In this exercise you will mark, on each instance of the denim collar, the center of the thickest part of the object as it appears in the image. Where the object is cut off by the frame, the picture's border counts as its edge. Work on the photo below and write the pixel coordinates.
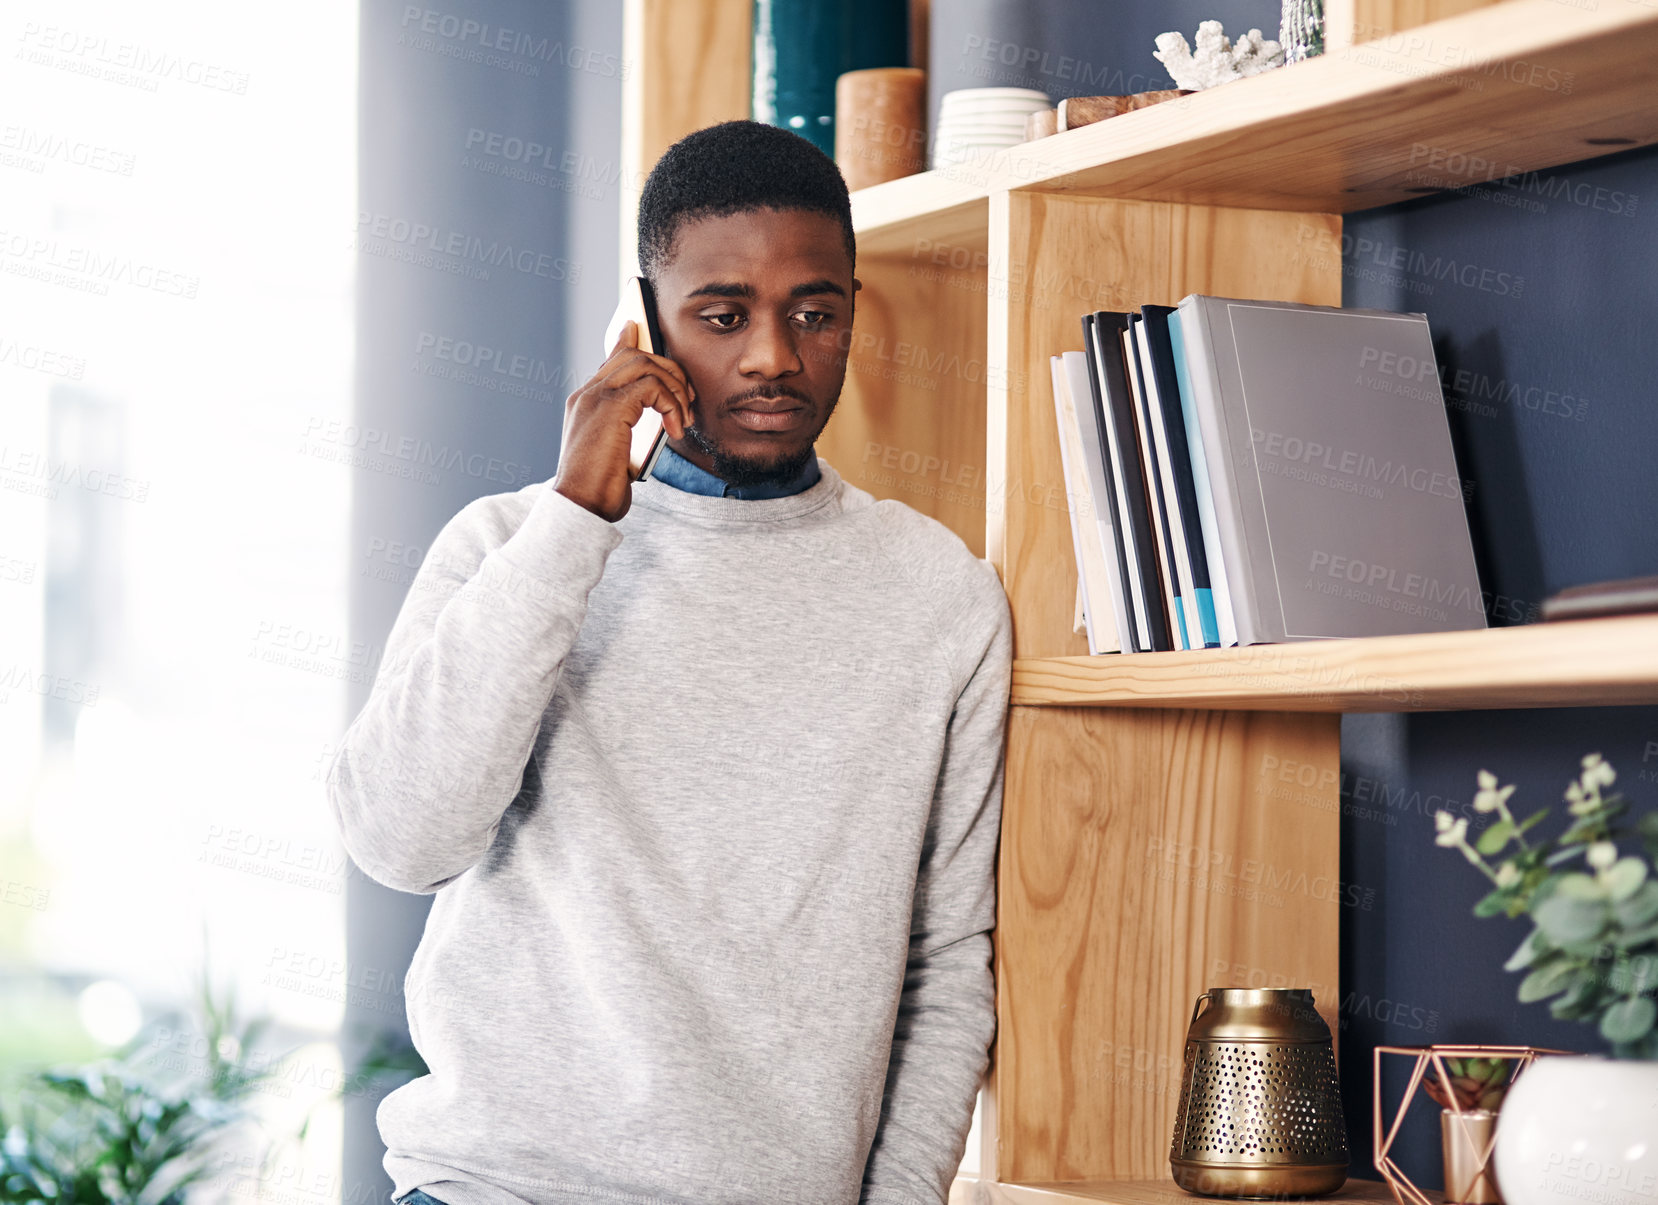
(680, 473)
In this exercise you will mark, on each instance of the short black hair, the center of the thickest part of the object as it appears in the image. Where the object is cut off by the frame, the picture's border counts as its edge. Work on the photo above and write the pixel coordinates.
(730, 168)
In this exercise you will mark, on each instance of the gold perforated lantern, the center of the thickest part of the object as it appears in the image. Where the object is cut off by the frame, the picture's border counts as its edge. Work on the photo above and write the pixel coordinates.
(1260, 1108)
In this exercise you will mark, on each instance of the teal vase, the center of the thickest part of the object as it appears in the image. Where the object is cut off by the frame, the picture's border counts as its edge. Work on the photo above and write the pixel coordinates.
(801, 47)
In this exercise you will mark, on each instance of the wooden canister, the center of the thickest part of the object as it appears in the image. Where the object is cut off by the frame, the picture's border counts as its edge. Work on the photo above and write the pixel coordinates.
(880, 124)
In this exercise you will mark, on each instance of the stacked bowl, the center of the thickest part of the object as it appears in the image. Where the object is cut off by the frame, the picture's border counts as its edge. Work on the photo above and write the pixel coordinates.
(976, 121)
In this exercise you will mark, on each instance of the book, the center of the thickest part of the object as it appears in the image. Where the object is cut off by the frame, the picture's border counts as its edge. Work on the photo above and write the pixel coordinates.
(1102, 333)
(1173, 581)
(1337, 500)
(1102, 496)
(1093, 589)
(1627, 596)
(1227, 627)
(1072, 497)
(1180, 492)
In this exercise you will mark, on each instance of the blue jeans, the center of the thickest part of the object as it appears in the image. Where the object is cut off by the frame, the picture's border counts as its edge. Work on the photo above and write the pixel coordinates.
(416, 1197)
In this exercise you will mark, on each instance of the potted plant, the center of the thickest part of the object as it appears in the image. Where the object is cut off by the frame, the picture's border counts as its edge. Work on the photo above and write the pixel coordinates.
(1468, 1116)
(1570, 1123)
(115, 1132)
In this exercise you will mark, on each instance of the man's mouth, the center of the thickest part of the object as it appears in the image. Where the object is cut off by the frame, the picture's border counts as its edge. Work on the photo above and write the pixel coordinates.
(777, 414)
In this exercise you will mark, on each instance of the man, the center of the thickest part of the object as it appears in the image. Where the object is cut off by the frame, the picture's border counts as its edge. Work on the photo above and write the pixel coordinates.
(705, 771)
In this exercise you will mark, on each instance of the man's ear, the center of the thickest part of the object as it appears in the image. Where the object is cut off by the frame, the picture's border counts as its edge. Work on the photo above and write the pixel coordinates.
(856, 284)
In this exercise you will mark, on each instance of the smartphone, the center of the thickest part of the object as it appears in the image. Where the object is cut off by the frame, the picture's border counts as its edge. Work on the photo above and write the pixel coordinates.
(638, 305)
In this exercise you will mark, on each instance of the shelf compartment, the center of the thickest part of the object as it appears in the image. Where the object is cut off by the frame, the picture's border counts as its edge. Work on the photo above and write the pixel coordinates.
(1581, 663)
(1518, 86)
(970, 1190)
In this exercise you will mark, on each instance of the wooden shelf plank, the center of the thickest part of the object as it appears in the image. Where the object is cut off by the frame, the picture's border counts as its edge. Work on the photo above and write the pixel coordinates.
(970, 1190)
(1509, 88)
(1581, 663)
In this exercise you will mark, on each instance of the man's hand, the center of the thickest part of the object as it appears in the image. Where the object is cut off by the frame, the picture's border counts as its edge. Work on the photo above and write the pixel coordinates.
(599, 419)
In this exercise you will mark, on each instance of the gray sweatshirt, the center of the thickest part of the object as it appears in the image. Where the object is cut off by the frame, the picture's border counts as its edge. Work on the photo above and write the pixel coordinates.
(709, 799)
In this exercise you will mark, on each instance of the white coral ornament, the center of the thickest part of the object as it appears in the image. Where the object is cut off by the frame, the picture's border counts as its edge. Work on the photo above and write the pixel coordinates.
(1216, 60)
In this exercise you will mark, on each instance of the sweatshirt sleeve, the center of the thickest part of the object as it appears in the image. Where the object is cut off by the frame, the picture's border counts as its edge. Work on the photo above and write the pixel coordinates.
(947, 1011)
(425, 772)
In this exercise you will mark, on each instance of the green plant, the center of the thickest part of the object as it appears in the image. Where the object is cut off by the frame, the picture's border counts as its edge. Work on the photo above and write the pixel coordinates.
(1594, 941)
(108, 1131)
(1475, 1083)
(113, 1132)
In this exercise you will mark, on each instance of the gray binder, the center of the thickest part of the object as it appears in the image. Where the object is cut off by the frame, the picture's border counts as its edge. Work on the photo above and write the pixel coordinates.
(1335, 488)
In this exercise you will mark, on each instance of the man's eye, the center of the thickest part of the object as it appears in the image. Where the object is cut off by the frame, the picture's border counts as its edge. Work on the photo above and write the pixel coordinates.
(719, 323)
(814, 317)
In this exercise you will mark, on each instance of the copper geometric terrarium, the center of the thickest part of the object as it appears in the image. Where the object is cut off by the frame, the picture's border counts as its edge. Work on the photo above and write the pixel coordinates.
(1431, 1060)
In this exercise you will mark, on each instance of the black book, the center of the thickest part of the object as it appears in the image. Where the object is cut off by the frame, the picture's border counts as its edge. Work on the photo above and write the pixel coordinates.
(1173, 429)
(1137, 631)
(1157, 488)
(1102, 338)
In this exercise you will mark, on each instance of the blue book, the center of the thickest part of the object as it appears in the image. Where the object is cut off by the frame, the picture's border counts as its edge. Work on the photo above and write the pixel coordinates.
(1225, 622)
(1184, 524)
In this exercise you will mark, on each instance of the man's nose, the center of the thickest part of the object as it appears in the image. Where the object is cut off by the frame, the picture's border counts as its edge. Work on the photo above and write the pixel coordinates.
(771, 350)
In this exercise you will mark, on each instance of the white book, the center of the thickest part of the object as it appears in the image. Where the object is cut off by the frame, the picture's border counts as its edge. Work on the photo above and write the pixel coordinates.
(1135, 372)
(1102, 498)
(1078, 502)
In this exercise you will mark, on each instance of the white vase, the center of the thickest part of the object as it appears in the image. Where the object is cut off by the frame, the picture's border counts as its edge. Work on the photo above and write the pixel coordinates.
(1580, 1131)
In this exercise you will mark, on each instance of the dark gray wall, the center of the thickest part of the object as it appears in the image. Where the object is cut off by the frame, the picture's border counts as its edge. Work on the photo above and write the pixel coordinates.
(1068, 47)
(516, 252)
(1540, 293)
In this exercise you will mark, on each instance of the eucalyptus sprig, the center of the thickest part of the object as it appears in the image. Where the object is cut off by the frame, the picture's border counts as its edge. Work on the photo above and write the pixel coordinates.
(1594, 944)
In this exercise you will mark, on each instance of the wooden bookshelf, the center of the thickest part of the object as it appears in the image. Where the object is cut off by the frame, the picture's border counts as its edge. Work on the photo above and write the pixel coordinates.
(1123, 769)
(1583, 663)
(1527, 84)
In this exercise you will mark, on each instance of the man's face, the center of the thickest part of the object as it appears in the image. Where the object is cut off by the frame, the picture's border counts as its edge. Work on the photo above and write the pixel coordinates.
(757, 308)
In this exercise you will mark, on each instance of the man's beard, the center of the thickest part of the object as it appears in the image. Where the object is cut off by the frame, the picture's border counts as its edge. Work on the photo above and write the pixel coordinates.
(739, 470)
